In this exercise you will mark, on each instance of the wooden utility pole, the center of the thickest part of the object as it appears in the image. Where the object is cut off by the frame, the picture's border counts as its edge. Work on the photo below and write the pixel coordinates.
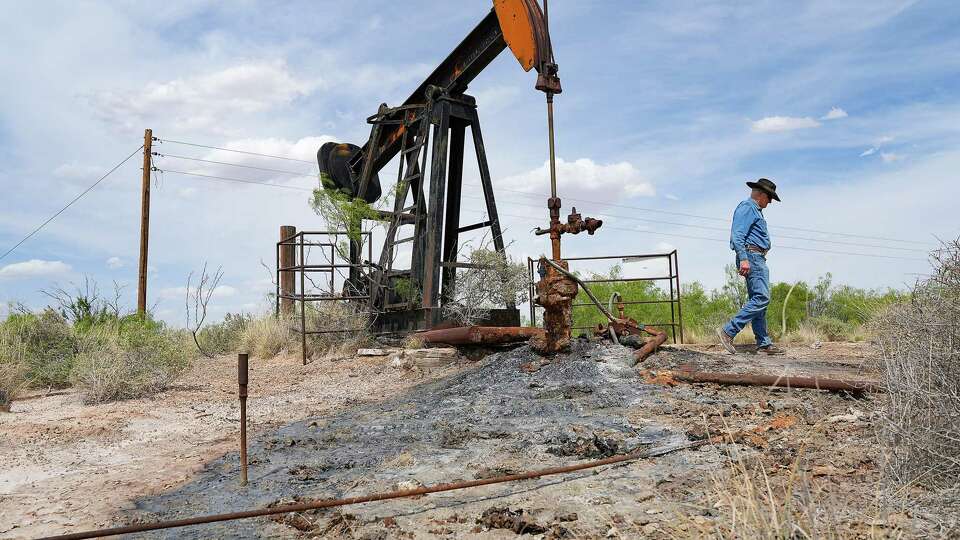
(288, 258)
(144, 222)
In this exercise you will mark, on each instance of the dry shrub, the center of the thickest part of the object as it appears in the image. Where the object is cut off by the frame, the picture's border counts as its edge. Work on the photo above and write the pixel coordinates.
(337, 315)
(129, 360)
(44, 343)
(919, 342)
(12, 381)
(754, 505)
(492, 281)
(805, 332)
(268, 336)
(750, 502)
(13, 371)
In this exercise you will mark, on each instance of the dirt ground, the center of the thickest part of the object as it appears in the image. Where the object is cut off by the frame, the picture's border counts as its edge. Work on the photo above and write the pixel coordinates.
(360, 425)
(68, 467)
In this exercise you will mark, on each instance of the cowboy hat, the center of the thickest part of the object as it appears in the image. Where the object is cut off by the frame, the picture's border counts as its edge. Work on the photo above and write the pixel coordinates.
(765, 186)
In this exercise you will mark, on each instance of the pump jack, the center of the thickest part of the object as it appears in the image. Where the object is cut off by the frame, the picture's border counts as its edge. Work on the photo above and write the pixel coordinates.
(440, 109)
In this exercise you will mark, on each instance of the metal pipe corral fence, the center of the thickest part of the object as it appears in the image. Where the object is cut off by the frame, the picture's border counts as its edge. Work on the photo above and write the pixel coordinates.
(672, 277)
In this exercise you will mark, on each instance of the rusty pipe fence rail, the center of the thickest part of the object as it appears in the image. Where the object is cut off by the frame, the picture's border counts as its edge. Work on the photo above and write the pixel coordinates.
(293, 257)
(672, 278)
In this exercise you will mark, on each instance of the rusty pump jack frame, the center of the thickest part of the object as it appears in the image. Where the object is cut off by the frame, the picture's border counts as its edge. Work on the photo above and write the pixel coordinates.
(427, 132)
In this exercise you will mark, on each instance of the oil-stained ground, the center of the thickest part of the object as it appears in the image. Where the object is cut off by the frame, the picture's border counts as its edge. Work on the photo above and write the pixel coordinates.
(514, 411)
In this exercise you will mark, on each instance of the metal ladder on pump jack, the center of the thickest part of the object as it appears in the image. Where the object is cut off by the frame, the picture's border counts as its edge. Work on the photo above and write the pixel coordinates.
(409, 175)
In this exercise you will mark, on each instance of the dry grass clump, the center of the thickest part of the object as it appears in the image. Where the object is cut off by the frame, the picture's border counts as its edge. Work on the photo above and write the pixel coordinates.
(754, 505)
(707, 335)
(919, 342)
(337, 315)
(268, 336)
(747, 500)
(12, 381)
(129, 360)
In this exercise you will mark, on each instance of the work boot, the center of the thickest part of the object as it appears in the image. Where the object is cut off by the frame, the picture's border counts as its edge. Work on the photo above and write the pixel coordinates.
(726, 341)
(771, 349)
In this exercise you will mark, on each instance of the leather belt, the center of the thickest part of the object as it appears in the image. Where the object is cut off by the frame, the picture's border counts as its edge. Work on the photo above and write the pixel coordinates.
(756, 249)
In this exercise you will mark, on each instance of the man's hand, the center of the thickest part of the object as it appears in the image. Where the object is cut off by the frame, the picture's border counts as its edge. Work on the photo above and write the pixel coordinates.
(744, 267)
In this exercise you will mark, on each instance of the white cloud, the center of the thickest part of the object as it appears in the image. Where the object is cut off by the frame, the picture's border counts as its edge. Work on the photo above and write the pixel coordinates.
(585, 176)
(672, 197)
(869, 152)
(199, 101)
(890, 157)
(224, 291)
(304, 148)
(773, 124)
(75, 170)
(171, 293)
(834, 114)
(33, 268)
(114, 262)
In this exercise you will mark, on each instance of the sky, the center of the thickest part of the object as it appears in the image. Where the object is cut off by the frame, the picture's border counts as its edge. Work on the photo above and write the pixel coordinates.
(852, 108)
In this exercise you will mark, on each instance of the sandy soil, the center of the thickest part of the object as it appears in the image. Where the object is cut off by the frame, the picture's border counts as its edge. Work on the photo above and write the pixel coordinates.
(69, 467)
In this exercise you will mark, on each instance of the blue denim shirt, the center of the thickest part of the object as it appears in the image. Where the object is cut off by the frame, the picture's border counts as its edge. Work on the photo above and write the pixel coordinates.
(748, 227)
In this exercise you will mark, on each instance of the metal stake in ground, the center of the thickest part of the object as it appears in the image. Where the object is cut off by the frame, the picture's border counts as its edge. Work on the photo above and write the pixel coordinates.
(242, 378)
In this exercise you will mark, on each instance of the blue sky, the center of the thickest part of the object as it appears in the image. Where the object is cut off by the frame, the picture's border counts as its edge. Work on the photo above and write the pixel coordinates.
(852, 108)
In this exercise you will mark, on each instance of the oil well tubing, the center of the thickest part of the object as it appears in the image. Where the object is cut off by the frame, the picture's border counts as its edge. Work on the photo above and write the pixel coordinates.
(425, 490)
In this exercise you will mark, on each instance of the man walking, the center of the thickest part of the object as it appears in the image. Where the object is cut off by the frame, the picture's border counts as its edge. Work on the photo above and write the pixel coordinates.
(751, 242)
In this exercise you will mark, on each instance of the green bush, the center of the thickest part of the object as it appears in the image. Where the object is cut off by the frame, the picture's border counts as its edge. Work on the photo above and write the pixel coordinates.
(226, 336)
(833, 328)
(128, 359)
(46, 345)
(833, 312)
(88, 344)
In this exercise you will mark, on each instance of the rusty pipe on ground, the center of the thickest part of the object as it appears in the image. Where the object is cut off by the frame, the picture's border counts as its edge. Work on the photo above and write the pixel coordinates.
(753, 379)
(425, 490)
(659, 337)
(479, 335)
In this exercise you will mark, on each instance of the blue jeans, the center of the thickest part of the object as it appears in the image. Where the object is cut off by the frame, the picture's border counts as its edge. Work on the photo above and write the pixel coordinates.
(755, 310)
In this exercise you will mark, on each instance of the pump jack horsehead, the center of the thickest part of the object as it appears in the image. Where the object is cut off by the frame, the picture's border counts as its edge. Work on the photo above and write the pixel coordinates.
(429, 128)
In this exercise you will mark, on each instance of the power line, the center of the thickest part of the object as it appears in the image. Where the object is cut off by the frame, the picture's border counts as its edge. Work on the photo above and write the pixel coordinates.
(680, 235)
(711, 218)
(69, 204)
(707, 227)
(535, 195)
(292, 173)
(228, 179)
(232, 150)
